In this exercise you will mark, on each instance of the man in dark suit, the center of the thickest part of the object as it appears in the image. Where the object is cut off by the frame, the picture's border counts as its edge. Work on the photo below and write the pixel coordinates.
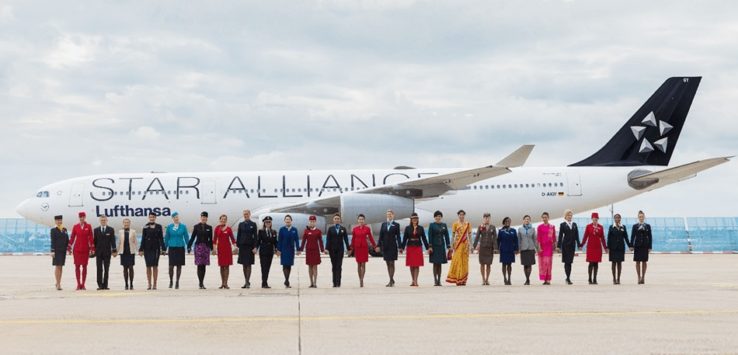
(336, 238)
(389, 244)
(104, 240)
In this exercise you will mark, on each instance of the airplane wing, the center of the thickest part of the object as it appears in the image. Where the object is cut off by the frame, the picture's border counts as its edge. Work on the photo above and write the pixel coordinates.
(420, 188)
(676, 174)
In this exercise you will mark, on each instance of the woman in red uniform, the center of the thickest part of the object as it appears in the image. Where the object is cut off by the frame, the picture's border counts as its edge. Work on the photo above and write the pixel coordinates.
(594, 239)
(81, 245)
(411, 242)
(223, 243)
(359, 246)
(312, 244)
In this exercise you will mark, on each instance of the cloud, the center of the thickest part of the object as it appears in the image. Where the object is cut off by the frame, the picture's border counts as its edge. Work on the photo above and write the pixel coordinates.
(146, 133)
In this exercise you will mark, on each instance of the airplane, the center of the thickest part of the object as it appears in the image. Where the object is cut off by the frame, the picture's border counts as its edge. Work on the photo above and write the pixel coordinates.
(634, 161)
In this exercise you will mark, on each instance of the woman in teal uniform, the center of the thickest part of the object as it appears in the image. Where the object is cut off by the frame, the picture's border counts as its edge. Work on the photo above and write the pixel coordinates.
(438, 246)
(175, 241)
(288, 241)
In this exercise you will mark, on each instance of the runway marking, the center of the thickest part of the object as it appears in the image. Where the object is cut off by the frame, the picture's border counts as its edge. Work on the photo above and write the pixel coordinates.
(416, 317)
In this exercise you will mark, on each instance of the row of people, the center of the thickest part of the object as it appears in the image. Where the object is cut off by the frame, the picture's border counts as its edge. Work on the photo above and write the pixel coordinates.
(250, 240)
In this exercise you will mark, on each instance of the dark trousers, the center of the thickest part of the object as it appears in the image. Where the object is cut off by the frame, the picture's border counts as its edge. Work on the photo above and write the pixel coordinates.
(103, 266)
(336, 263)
(266, 263)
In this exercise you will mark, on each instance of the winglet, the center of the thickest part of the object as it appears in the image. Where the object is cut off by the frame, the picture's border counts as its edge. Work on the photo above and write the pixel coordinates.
(516, 158)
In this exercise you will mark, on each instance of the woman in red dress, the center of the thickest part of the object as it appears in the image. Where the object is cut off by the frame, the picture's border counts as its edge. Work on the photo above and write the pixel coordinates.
(359, 246)
(312, 244)
(223, 243)
(594, 239)
(411, 242)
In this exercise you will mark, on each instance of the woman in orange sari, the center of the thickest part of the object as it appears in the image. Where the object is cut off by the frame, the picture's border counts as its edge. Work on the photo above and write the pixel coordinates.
(458, 273)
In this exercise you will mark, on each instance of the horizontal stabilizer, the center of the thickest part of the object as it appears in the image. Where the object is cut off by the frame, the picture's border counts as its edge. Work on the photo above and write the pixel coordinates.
(675, 174)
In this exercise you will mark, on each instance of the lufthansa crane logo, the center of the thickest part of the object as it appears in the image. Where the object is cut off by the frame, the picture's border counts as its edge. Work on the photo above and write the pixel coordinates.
(44, 207)
(640, 130)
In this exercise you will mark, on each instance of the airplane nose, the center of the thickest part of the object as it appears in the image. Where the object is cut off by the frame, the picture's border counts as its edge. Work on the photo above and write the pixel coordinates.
(24, 209)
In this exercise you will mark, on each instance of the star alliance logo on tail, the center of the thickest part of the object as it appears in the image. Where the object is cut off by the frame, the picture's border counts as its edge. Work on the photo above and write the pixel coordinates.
(651, 121)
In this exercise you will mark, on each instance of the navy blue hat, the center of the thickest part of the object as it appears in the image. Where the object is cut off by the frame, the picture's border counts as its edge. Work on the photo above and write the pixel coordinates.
(204, 214)
(267, 218)
(58, 217)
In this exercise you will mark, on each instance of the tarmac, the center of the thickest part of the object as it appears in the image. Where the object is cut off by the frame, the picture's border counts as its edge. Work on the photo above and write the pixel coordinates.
(689, 305)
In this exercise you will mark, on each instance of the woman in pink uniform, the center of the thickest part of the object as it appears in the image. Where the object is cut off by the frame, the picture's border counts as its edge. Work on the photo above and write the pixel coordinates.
(546, 234)
(223, 243)
(360, 247)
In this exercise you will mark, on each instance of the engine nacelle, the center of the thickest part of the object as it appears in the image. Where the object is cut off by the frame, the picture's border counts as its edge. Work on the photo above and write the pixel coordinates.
(375, 206)
(299, 220)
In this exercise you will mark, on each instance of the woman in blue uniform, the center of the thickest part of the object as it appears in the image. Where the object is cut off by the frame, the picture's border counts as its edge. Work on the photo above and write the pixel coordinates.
(438, 246)
(175, 241)
(59, 243)
(288, 241)
(617, 239)
(507, 241)
(642, 243)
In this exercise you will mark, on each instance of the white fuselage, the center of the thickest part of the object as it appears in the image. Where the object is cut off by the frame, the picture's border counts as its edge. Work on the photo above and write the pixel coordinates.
(523, 191)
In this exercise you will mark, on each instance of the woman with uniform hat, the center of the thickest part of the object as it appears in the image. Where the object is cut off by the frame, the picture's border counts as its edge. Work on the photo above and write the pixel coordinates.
(594, 240)
(528, 243)
(223, 243)
(411, 242)
(642, 243)
(288, 241)
(312, 244)
(439, 246)
(59, 244)
(152, 246)
(267, 244)
(127, 246)
(359, 246)
(507, 241)
(485, 244)
(202, 237)
(82, 247)
(175, 241)
(617, 239)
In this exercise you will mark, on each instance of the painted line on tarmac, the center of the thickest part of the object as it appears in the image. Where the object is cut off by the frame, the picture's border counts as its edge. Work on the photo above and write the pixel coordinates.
(400, 317)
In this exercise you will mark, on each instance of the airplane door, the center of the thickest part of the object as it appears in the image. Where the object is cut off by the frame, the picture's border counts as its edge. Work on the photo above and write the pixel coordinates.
(208, 192)
(75, 196)
(574, 184)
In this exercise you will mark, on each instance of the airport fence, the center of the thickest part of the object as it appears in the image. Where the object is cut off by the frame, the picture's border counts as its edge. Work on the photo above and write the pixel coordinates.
(670, 234)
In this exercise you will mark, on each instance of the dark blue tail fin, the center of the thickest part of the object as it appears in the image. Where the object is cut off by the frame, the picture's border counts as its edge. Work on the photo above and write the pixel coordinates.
(649, 137)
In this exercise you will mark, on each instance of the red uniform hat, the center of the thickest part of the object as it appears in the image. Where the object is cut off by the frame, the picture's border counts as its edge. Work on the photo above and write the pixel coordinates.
(83, 214)
(595, 215)
(312, 218)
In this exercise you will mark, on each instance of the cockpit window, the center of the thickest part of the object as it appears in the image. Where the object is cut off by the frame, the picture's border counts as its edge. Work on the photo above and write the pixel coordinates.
(42, 194)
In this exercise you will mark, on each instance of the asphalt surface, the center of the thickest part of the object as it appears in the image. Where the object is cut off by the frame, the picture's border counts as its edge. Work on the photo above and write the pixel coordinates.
(689, 304)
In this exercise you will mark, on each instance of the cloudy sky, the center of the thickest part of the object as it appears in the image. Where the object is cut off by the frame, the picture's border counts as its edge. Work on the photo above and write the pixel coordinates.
(114, 86)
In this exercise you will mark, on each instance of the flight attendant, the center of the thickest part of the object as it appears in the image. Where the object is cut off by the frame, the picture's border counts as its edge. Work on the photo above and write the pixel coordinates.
(152, 246)
(105, 248)
(223, 243)
(359, 246)
(390, 243)
(175, 242)
(312, 244)
(507, 241)
(528, 244)
(266, 243)
(642, 242)
(246, 241)
(336, 238)
(594, 240)
(82, 247)
(439, 246)
(546, 234)
(127, 246)
(485, 244)
(59, 244)
(202, 237)
(411, 241)
(568, 242)
(288, 241)
(617, 239)
(458, 273)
